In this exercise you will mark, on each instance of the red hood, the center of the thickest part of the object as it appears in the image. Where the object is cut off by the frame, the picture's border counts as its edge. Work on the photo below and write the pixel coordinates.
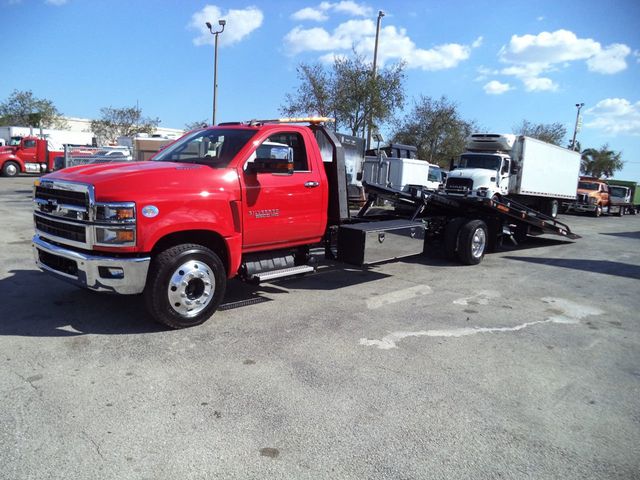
(7, 149)
(132, 181)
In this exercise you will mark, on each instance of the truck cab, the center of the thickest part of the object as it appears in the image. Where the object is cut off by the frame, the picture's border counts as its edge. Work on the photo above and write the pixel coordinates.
(480, 174)
(592, 197)
(232, 200)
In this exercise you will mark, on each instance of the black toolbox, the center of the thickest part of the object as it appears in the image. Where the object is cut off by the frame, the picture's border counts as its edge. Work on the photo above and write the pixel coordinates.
(372, 242)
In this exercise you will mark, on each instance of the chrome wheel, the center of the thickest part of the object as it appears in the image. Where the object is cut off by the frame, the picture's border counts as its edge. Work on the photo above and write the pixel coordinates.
(191, 288)
(478, 242)
(10, 169)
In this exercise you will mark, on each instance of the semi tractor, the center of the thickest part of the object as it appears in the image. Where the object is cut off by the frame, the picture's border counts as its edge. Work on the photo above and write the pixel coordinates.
(256, 200)
(29, 155)
(527, 170)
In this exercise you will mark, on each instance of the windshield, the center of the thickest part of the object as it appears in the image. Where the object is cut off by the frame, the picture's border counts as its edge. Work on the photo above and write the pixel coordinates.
(587, 186)
(15, 141)
(215, 147)
(490, 162)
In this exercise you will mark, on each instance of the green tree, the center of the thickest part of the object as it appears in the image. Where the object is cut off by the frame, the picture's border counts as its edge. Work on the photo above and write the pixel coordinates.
(22, 109)
(349, 92)
(436, 128)
(554, 133)
(121, 122)
(601, 162)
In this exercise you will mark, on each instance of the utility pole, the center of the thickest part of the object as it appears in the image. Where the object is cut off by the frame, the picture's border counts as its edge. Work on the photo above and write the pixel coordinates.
(373, 73)
(222, 23)
(575, 129)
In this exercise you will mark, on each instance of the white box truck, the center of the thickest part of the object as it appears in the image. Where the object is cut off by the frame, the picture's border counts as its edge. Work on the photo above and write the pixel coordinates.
(537, 174)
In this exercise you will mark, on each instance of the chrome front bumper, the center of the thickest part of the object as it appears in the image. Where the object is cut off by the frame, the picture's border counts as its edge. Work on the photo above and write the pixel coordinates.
(126, 276)
(581, 207)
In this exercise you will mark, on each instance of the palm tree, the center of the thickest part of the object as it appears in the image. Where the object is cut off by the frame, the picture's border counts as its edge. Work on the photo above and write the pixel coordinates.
(600, 162)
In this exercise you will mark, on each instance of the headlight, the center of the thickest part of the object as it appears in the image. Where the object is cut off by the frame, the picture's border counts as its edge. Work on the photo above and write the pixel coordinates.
(116, 212)
(593, 200)
(116, 236)
(482, 191)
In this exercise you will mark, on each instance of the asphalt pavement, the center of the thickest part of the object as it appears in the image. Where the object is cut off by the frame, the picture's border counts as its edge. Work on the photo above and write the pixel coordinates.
(525, 366)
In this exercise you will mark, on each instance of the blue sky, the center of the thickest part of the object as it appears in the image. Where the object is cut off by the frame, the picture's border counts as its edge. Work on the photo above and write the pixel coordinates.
(501, 62)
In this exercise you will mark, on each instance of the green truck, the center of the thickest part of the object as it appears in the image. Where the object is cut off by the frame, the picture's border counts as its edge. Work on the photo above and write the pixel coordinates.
(625, 195)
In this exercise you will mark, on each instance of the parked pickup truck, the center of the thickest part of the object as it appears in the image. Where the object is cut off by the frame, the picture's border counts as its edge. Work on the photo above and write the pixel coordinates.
(251, 199)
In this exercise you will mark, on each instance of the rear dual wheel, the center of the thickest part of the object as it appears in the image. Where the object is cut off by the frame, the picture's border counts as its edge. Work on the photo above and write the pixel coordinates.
(466, 239)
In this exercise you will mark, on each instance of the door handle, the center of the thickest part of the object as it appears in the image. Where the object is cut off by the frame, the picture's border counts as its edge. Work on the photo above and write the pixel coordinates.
(311, 184)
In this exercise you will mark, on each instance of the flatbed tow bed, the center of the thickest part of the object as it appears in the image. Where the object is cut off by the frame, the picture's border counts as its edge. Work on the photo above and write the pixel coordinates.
(467, 226)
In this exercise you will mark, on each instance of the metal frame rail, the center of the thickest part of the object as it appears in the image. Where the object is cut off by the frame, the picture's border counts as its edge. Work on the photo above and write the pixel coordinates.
(437, 203)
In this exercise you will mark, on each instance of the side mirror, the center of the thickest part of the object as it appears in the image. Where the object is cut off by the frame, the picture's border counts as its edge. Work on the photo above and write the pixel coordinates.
(271, 165)
(515, 169)
(359, 176)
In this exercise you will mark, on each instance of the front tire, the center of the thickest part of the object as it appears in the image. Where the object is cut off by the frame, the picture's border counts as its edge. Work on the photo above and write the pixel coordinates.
(185, 286)
(10, 169)
(598, 211)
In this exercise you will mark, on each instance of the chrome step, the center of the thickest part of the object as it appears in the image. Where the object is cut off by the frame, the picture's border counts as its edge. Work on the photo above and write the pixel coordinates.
(285, 272)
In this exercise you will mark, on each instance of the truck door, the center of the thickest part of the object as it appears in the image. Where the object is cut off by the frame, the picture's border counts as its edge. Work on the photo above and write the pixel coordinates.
(283, 209)
(27, 150)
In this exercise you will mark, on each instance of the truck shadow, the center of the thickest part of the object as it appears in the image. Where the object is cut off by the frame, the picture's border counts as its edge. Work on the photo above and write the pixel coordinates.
(33, 304)
(635, 235)
(605, 267)
(434, 256)
(332, 277)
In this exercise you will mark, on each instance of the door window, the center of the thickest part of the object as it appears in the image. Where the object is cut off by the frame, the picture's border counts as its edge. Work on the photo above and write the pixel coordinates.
(282, 142)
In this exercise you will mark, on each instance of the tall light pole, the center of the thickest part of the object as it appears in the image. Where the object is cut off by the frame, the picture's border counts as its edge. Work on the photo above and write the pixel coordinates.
(222, 23)
(575, 129)
(373, 73)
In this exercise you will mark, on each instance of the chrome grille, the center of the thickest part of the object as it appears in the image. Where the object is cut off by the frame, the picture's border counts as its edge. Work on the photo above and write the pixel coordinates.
(458, 185)
(63, 211)
(61, 229)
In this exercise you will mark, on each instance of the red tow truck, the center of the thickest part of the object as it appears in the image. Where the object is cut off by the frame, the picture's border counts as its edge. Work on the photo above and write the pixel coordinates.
(31, 155)
(251, 199)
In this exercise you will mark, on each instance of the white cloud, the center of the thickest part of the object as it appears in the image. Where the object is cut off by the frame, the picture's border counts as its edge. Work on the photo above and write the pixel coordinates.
(477, 43)
(539, 84)
(309, 13)
(609, 60)
(548, 47)
(320, 12)
(615, 116)
(530, 56)
(56, 3)
(495, 87)
(240, 23)
(394, 45)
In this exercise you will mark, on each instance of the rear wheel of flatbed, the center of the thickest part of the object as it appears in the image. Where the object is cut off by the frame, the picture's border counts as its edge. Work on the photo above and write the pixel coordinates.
(472, 242)
(185, 286)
